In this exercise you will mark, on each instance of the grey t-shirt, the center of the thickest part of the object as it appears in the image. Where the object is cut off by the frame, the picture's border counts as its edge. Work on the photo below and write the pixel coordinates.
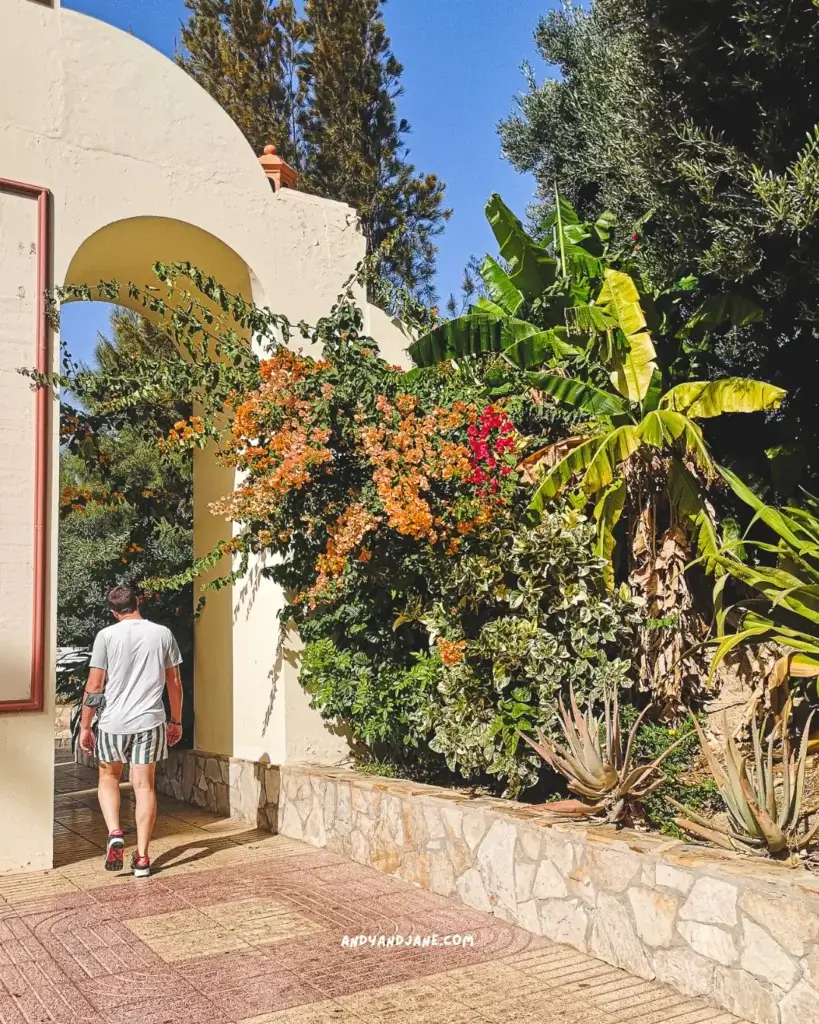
(134, 653)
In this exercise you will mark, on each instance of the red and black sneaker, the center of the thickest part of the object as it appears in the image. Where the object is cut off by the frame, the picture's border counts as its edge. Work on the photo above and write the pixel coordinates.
(114, 851)
(140, 866)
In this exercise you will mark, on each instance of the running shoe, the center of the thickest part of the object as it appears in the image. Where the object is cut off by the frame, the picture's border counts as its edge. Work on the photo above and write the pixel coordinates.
(114, 851)
(140, 866)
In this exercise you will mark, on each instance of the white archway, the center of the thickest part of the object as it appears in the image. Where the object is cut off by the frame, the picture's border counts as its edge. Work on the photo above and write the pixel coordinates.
(141, 164)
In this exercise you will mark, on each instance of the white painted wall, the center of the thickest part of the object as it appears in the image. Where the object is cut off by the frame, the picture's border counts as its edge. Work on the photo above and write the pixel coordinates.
(117, 131)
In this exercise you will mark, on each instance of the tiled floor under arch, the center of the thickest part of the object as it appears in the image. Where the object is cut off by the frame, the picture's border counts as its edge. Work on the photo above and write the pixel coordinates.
(241, 926)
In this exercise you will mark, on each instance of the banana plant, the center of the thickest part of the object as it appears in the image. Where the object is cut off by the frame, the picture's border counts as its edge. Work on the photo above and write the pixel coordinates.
(544, 305)
(644, 454)
(635, 424)
(523, 317)
(785, 606)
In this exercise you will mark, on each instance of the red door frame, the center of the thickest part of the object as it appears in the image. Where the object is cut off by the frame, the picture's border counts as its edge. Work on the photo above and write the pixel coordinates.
(42, 445)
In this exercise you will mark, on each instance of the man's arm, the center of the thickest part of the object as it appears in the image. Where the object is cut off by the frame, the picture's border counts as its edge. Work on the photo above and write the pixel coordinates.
(173, 681)
(95, 684)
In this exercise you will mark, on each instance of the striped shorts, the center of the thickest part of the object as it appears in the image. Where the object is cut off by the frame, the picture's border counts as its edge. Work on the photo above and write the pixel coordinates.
(146, 747)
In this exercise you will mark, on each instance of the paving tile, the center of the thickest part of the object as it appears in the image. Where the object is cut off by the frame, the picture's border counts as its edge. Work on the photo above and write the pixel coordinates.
(135, 987)
(327, 1012)
(241, 927)
(264, 994)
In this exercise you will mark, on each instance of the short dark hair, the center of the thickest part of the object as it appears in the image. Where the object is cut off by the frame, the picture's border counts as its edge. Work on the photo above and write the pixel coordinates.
(123, 600)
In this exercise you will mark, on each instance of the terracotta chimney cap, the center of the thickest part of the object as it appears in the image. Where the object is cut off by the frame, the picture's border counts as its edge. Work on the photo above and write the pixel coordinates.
(280, 173)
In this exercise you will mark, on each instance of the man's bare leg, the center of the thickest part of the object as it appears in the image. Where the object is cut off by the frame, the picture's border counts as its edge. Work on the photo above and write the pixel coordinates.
(142, 779)
(108, 793)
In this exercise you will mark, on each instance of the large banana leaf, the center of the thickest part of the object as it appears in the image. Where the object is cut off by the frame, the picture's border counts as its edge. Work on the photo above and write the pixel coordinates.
(620, 295)
(589, 319)
(607, 512)
(578, 394)
(531, 269)
(538, 349)
(469, 335)
(484, 332)
(500, 286)
(703, 399)
(782, 525)
(662, 428)
(633, 367)
(687, 498)
(595, 462)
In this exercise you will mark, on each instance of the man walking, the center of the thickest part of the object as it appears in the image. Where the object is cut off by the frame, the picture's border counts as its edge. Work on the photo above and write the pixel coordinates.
(133, 661)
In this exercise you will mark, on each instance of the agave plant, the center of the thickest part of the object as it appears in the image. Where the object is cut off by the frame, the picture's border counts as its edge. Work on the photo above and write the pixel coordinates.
(765, 815)
(607, 780)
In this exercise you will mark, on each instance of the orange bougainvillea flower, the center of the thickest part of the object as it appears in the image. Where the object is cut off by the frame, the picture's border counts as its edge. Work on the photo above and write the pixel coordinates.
(452, 651)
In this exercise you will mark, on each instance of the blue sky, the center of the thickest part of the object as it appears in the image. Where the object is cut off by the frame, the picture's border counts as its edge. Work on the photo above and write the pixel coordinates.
(461, 62)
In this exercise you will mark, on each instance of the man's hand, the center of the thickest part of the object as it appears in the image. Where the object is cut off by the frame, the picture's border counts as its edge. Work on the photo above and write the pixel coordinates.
(174, 734)
(87, 740)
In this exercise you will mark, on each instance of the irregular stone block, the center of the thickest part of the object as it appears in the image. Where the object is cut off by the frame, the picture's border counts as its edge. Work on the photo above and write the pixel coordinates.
(212, 772)
(685, 970)
(654, 914)
(452, 818)
(764, 957)
(564, 921)
(474, 828)
(712, 901)
(560, 852)
(524, 880)
(314, 831)
(741, 994)
(472, 892)
(441, 875)
(359, 847)
(549, 883)
(580, 885)
(529, 843)
(611, 869)
(672, 878)
(713, 942)
(800, 1005)
(289, 820)
(496, 862)
(613, 938)
(811, 966)
(791, 923)
(527, 917)
(434, 823)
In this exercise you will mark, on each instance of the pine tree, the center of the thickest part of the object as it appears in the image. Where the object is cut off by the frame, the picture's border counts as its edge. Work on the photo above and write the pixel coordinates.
(355, 138)
(247, 54)
(324, 90)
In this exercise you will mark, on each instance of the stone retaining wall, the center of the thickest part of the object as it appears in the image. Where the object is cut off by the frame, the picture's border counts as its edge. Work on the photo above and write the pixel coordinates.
(742, 933)
(246, 790)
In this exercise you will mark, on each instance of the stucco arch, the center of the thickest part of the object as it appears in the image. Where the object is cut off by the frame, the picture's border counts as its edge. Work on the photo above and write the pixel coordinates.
(124, 251)
(127, 144)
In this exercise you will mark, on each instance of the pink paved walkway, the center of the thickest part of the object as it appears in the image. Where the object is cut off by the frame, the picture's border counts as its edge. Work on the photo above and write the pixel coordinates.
(241, 926)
